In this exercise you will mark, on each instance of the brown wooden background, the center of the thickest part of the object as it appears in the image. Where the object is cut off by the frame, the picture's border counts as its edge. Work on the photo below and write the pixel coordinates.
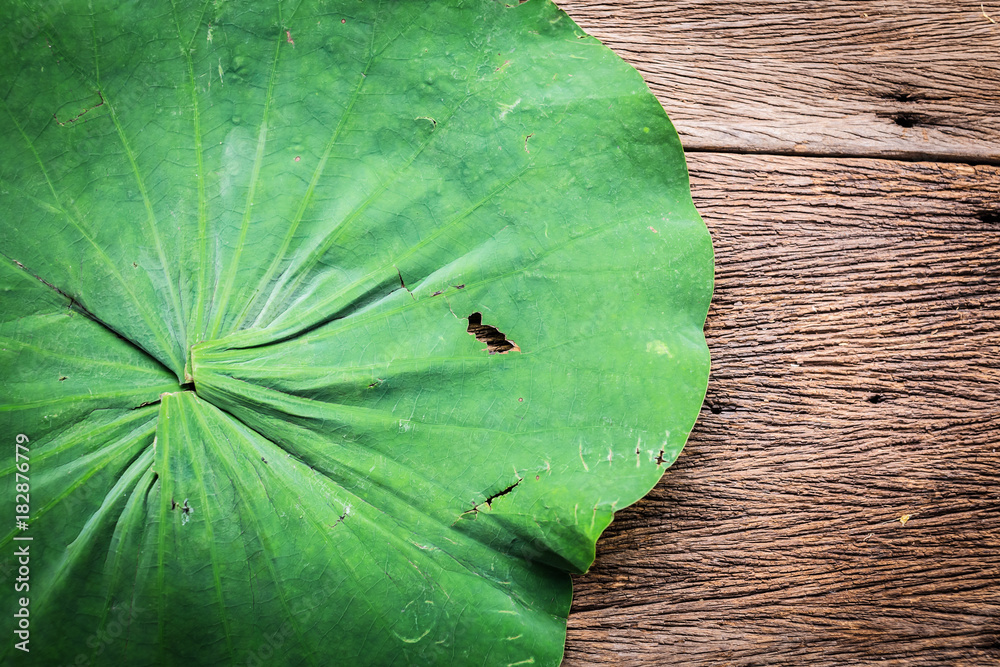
(846, 158)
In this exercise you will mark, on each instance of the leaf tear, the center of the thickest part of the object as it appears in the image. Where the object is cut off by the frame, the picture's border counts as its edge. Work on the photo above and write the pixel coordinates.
(403, 285)
(82, 113)
(489, 500)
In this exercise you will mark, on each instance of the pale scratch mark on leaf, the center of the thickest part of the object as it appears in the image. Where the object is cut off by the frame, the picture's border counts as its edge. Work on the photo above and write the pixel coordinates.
(434, 123)
(413, 640)
(581, 459)
(507, 108)
(660, 348)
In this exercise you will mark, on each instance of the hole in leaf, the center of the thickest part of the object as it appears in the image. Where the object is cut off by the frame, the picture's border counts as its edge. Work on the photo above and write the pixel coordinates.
(496, 342)
(186, 511)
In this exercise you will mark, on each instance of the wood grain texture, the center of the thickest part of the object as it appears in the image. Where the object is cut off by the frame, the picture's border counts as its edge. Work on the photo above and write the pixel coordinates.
(855, 335)
(915, 80)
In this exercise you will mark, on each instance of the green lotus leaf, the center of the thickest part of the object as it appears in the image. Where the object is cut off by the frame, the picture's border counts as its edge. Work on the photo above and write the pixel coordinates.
(333, 331)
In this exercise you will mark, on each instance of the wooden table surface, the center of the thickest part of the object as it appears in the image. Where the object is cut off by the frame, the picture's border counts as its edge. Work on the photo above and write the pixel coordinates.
(838, 501)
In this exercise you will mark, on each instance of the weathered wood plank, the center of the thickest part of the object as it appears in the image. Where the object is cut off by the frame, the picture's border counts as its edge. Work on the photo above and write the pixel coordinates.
(904, 79)
(855, 335)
